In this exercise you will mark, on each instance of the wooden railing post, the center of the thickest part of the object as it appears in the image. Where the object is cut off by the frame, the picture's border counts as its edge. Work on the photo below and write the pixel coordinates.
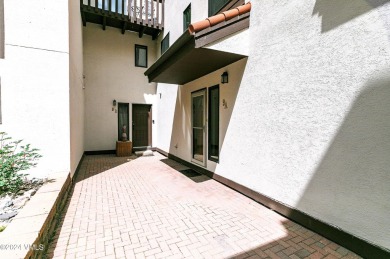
(158, 12)
(162, 15)
(152, 12)
(129, 13)
(96, 5)
(147, 11)
(135, 10)
(123, 8)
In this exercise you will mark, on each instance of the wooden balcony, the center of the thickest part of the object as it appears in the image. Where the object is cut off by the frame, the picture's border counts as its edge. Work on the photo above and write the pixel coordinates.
(142, 16)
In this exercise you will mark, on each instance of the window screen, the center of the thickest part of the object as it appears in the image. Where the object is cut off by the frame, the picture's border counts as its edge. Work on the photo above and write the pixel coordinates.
(214, 123)
(123, 119)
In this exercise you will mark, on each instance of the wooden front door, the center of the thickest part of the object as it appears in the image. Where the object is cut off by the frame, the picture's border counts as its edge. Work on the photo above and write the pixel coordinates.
(142, 126)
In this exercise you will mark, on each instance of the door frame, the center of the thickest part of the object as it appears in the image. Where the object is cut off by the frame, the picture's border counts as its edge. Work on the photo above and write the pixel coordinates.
(150, 122)
(196, 93)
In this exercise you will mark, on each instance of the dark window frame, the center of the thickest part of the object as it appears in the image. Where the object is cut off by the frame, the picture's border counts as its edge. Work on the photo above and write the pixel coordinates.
(209, 103)
(186, 14)
(222, 4)
(165, 42)
(136, 48)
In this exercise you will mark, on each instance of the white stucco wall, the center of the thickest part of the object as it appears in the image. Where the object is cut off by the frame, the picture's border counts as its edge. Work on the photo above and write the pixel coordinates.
(173, 24)
(310, 125)
(312, 72)
(76, 85)
(165, 111)
(110, 73)
(180, 143)
(35, 80)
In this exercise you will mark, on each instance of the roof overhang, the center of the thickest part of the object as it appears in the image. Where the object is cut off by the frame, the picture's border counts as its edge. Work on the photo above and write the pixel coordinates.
(187, 59)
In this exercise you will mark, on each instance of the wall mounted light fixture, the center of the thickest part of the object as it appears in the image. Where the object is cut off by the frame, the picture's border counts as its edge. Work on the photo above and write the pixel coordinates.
(225, 78)
(114, 103)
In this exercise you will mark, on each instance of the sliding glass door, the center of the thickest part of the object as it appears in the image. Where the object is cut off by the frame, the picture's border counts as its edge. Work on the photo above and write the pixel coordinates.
(198, 127)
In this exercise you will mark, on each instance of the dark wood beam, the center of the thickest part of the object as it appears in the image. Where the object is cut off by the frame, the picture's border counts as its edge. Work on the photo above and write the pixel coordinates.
(124, 27)
(104, 23)
(155, 34)
(141, 31)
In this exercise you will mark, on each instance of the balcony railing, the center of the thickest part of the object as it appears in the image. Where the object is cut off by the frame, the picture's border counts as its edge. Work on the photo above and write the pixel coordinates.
(149, 13)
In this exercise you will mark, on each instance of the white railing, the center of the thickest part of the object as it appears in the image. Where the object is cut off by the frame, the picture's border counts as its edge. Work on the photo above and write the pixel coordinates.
(149, 12)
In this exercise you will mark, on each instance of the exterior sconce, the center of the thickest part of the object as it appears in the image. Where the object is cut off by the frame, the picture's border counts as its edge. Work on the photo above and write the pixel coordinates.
(225, 78)
(114, 103)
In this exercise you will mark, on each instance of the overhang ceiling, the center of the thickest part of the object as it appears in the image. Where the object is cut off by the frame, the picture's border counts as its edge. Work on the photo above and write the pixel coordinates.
(192, 64)
(187, 59)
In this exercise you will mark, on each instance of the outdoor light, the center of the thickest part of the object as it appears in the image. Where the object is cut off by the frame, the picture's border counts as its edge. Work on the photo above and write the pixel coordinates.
(114, 103)
(224, 78)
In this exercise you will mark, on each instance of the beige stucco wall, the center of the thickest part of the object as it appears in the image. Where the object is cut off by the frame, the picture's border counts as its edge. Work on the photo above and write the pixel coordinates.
(110, 73)
(35, 80)
(310, 125)
(76, 85)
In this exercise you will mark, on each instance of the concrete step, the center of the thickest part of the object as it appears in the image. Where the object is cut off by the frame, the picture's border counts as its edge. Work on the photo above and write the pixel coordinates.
(144, 153)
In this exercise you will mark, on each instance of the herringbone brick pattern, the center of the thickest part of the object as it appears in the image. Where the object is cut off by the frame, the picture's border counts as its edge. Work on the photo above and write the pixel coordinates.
(145, 208)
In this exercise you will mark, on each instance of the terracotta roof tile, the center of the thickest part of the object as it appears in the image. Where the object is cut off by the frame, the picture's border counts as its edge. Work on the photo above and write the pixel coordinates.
(216, 19)
(231, 14)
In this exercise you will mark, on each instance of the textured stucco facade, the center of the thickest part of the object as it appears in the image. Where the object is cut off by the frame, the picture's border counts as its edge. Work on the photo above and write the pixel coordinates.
(310, 122)
(76, 86)
(306, 121)
(35, 80)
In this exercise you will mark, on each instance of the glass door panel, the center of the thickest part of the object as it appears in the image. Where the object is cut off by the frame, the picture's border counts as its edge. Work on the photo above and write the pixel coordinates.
(198, 127)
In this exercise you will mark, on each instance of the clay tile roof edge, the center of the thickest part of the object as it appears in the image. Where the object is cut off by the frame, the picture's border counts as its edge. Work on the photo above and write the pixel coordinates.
(216, 19)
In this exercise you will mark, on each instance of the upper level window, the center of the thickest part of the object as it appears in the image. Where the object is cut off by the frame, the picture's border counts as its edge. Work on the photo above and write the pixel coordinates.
(1, 28)
(216, 5)
(187, 17)
(165, 43)
(141, 56)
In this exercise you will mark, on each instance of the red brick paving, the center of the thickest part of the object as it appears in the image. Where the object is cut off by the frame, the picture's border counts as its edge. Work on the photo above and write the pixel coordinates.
(145, 208)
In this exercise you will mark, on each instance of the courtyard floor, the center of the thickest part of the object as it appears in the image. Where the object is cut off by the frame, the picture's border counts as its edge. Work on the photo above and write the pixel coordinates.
(153, 207)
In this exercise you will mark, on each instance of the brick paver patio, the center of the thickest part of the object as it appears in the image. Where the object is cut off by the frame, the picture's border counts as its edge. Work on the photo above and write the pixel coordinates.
(147, 208)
